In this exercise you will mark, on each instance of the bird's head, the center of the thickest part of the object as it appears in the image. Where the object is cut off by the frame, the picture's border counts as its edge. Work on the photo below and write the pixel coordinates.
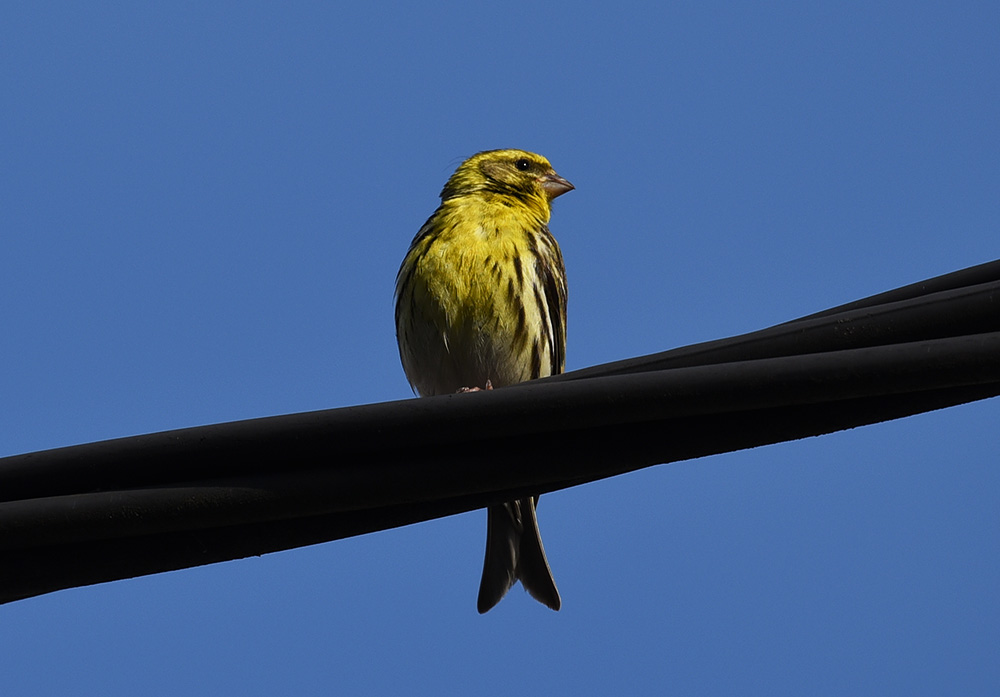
(518, 173)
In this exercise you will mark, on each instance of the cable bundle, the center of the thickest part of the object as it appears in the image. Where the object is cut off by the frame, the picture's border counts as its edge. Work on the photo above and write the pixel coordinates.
(133, 506)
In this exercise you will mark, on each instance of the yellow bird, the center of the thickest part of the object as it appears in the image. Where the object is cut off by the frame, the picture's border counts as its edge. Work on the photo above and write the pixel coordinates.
(481, 303)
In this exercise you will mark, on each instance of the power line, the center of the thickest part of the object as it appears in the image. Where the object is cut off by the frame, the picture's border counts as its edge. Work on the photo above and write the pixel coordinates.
(133, 506)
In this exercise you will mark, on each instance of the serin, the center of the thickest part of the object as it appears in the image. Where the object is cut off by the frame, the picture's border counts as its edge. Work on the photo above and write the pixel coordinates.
(481, 303)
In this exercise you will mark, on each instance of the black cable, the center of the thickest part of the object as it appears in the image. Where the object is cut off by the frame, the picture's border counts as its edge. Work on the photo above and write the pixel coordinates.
(131, 506)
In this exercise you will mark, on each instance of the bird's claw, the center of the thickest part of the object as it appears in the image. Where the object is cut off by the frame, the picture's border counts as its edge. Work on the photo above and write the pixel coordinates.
(489, 386)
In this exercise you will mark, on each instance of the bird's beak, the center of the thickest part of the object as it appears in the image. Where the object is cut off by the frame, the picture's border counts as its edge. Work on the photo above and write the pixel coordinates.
(554, 185)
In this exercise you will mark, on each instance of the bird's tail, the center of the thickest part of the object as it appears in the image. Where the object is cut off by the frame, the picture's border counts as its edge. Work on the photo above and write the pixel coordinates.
(514, 552)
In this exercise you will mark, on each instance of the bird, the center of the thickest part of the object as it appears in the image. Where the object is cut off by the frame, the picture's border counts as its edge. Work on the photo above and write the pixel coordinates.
(480, 303)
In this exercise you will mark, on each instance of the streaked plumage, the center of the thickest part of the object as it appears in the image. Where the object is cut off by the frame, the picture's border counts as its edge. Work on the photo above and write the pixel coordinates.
(481, 298)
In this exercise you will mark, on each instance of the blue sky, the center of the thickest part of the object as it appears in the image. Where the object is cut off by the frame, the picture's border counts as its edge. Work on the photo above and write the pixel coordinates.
(204, 206)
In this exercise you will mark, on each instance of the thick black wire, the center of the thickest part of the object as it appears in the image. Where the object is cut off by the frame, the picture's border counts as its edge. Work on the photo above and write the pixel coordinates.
(132, 506)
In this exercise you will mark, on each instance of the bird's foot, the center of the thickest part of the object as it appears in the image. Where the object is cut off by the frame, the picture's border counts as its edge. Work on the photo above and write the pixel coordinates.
(489, 386)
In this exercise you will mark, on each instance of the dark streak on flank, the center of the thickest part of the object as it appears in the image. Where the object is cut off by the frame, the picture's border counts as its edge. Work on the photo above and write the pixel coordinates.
(543, 315)
(533, 247)
(536, 361)
(553, 276)
(519, 271)
(403, 285)
(521, 330)
(410, 327)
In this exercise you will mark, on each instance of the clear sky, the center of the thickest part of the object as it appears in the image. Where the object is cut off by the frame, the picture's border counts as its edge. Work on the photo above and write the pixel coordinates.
(203, 207)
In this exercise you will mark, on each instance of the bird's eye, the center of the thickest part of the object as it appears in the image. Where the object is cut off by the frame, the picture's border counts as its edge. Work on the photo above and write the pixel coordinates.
(522, 164)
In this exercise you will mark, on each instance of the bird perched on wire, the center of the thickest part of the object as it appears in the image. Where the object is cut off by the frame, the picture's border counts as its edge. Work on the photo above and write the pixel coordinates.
(481, 303)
